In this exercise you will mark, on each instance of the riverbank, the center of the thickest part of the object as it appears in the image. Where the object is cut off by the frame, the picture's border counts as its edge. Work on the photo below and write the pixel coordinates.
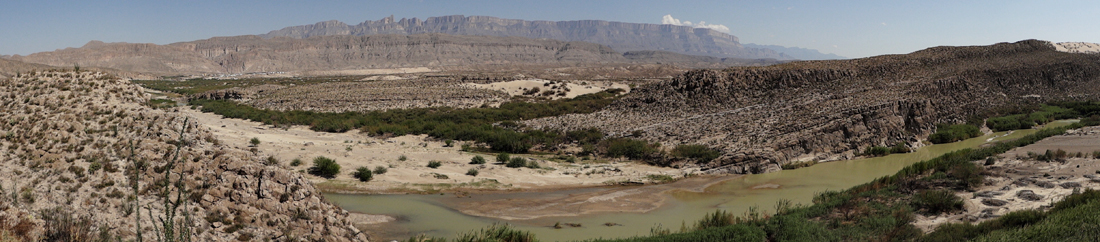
(1021, 179)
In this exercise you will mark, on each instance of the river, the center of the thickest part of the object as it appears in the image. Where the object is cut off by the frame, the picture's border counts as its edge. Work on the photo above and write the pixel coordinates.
(434, 215)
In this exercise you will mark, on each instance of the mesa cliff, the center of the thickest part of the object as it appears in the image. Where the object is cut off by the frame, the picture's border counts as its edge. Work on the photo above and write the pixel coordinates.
(248, 54)
(765, 117)
(622, 37)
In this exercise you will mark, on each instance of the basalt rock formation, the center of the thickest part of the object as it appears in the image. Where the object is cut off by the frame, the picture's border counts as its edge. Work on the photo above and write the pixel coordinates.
(249, 54)
(765, 117)
(623, 37)
(72, 143)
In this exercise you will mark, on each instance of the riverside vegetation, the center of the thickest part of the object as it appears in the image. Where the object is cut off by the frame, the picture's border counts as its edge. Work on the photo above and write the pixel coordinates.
(882, 210)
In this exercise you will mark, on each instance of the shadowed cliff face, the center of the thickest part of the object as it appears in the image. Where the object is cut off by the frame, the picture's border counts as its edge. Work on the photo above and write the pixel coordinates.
(764, 117)
(620, 36)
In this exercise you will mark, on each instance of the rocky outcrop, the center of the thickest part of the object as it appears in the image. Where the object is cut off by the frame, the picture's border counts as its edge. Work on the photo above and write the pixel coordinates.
(765, 117)
(620, 36)
(71, 144)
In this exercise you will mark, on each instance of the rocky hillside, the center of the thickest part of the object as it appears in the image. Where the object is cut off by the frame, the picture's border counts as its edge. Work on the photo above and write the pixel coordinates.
(764, 117)
(84, 158)
(248, 54)
(619, 36)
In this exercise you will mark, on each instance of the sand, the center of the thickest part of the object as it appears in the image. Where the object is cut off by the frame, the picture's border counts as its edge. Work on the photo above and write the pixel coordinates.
(576, 88)
(353, 149)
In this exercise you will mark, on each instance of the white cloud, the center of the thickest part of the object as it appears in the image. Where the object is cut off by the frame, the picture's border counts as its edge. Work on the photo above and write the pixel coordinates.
(668, 19)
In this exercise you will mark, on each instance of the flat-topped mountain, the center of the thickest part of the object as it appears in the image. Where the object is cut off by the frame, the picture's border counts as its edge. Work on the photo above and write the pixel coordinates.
(765, 117)
(622, 37)
(250, 53)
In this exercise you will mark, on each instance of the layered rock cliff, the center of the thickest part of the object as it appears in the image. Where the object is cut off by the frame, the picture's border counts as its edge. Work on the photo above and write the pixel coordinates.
(764, 117)
(622, 37)
(245, 54)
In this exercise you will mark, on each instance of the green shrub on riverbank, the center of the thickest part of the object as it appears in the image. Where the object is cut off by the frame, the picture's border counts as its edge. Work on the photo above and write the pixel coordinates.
(947, 133)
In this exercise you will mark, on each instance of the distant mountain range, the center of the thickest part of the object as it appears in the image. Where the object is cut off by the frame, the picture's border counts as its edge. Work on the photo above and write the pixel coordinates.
(798, 53)
(250, 53)
(622, 37)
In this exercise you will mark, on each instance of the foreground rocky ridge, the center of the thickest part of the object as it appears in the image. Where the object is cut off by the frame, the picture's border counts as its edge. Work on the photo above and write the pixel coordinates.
(765, 117)
(620, 36)
(66, 141)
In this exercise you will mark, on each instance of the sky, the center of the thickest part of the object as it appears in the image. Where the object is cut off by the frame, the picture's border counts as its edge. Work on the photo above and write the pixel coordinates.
(857, 28)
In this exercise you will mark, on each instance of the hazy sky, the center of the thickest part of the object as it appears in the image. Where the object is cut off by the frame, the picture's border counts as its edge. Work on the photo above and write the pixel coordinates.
(848, 28)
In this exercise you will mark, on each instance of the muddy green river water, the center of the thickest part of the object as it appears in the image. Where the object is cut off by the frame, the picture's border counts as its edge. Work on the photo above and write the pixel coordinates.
(431, 215)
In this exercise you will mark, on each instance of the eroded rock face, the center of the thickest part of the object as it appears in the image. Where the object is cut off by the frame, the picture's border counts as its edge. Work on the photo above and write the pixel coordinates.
(764, 117)
(618, 35)
(70, 141)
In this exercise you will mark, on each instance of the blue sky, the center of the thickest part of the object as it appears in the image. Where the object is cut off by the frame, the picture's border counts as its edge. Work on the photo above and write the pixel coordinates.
(848, 28)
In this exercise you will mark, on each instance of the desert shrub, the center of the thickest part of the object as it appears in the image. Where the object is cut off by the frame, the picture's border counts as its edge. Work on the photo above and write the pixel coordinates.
(700, 153)
(62, 225)
(503, 158)
(937, 201)
(402, 158)
(533, 165)
(947, 133)
(477, 160)
(296, 162)
(363, 174)
(472, 172)
(434, 164)
(516, 162)
(630, 148)
(254, 141)
(379, 170)
(94, 166)
(877, 151)
(271, 161)
(324, 167)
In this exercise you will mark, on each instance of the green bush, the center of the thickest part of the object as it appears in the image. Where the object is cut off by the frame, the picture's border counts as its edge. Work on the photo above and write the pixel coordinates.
(937, 201)
(477, 160)
(402, 158)
(516, 162)
(946, 133)
(700, 153)
(877, 151)
(379, 170)
(254, 141)
(630, 148)
(503, 158)
(472, 172)
(324, 167)
(296, 162)
(362, 173)
(434, 164)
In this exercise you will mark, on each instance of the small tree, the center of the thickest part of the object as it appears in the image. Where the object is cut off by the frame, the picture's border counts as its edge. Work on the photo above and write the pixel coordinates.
(254, 141)
(477, 160)
(324, 167)
(503, 158)
(362, 173)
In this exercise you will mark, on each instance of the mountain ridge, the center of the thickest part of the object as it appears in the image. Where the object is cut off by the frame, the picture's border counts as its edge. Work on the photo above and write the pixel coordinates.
(620, 36)
(251, 53)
